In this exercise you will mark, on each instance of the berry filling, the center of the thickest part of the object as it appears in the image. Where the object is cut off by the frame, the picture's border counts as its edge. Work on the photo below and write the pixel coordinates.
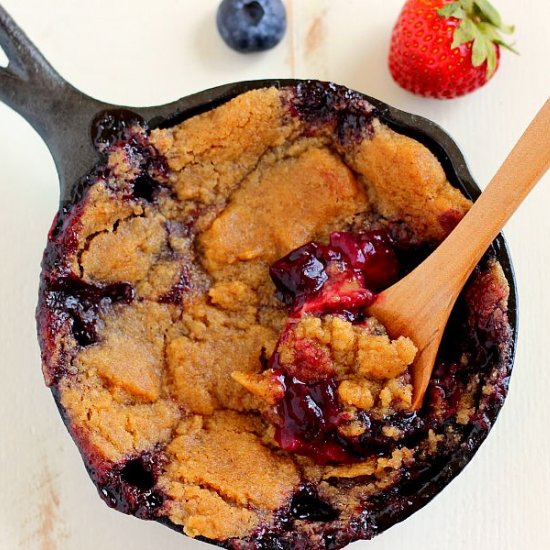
(145, 187)
(83, 302)
(340, 277)
(112, 126)
(130, 486)
(309, 417)
(124, 131)
(306, 505)
(311, 421)
(321, 104)
(336, 380)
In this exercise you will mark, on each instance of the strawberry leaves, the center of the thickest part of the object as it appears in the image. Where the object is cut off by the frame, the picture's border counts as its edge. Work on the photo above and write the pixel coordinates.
(482, 25)
(454, 9)
(488, 12)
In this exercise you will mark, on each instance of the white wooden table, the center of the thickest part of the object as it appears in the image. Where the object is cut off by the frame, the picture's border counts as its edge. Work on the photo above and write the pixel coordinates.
(141, 52)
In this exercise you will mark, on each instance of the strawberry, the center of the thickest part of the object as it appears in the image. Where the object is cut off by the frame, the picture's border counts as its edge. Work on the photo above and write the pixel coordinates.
(446, 48)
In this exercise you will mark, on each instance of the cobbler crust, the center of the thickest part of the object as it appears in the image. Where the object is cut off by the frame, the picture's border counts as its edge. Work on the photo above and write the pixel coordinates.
(154, 349)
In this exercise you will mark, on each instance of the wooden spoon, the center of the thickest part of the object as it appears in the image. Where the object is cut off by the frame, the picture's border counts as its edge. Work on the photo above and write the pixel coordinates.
(419, 305)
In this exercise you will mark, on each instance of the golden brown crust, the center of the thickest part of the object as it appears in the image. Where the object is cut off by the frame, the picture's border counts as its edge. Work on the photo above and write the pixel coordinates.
(114, 424)
(407, 182)
(137, 242)
(308, 192)
(210, 154)
(179, 367)
(223, 453)
(199, 364)
(131, 353)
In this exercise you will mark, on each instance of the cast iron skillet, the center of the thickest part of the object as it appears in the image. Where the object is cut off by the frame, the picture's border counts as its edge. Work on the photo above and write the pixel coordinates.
(64, 116)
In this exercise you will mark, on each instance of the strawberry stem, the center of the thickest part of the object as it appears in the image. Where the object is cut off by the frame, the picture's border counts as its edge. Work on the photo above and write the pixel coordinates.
(482, 25)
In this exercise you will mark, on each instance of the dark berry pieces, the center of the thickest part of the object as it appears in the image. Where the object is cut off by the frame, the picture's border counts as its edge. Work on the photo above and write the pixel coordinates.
(371, 253)
(176, 293)
(309, 416)
(319, 279)
(145, 187)
(251, 25)
(326, 104)
(83, 302)
(300, 273)
(306, 505)
(339, 277)
(375, 440)
(130, 486)
(111, 126)
(137, 473)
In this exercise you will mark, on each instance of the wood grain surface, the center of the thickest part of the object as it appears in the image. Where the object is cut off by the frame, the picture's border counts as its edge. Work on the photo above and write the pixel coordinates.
(141, 52)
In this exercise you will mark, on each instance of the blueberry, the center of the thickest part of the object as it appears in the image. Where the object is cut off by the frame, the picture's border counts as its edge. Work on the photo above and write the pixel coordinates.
(301, 273)
(251, 25)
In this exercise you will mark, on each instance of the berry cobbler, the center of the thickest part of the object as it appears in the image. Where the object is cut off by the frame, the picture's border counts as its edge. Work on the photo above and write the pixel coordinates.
(204, 322)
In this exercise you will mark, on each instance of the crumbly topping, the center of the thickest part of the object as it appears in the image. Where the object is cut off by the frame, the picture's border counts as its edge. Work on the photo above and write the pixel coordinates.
(179, 367)
(115, 425)
(370, 369)
(376, 467)
(406, 182)
(199, 363)
(322, 190)
(138, 242)
(130, 354)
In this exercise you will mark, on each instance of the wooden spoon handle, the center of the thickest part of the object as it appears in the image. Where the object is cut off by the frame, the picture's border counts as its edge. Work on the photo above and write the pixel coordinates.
(521, 171)
(419, 305)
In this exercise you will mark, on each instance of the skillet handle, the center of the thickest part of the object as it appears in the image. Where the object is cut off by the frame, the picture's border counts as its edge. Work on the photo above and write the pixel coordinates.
(60, 113)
